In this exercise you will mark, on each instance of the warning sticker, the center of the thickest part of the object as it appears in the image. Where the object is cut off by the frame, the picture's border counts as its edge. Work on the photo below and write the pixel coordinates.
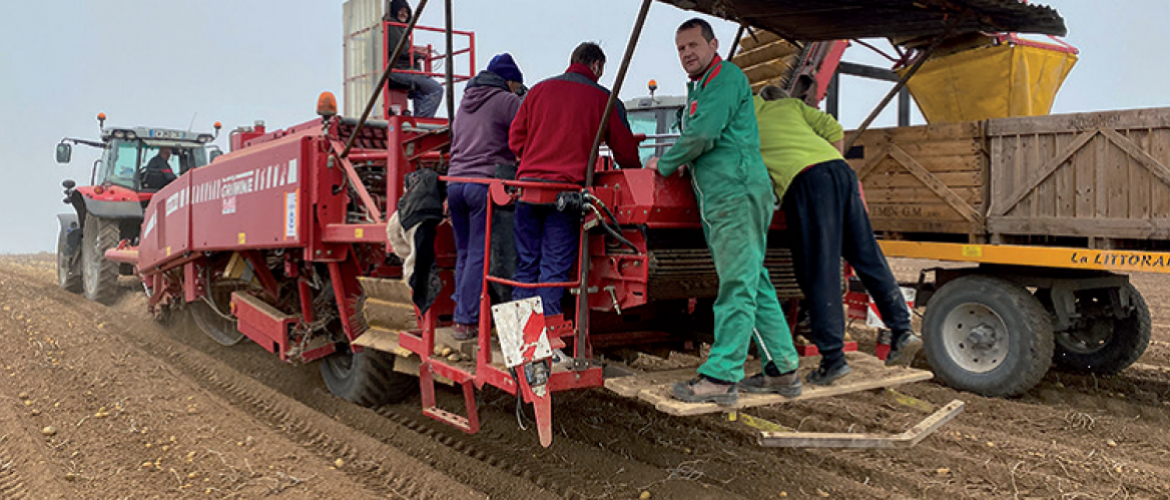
(290, 214)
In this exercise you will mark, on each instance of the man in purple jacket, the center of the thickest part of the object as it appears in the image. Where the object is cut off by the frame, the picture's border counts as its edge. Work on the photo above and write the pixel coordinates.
(480, 143)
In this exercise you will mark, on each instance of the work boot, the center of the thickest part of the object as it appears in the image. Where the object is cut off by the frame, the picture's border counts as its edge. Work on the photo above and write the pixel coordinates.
(825, 375)
(706, 390)
(786, 384)
(463, 332)
(903, 349)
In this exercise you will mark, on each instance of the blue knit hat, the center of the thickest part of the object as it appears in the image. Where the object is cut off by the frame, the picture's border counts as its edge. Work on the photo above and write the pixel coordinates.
(504, 66)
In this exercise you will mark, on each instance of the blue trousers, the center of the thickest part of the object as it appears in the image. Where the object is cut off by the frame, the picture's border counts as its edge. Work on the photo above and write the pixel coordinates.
(467, 203)
(546, 248)
(827, 221)
(425, 93)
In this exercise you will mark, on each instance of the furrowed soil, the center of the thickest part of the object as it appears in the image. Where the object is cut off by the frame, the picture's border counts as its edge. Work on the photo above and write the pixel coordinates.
(104, 402)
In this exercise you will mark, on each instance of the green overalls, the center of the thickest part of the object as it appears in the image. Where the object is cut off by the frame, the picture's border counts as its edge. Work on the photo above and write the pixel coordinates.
(720, 141)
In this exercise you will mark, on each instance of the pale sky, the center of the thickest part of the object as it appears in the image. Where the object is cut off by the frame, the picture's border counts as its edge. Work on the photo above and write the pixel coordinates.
(174, 63)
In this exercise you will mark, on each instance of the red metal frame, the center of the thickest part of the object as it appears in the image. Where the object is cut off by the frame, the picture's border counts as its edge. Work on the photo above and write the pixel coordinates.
(395, 97)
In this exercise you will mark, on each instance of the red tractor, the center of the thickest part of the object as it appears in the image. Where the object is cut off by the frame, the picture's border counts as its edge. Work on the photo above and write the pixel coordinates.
(110, 208)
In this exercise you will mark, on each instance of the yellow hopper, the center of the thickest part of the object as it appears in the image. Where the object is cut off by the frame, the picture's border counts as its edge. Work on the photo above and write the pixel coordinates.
(1017, 77)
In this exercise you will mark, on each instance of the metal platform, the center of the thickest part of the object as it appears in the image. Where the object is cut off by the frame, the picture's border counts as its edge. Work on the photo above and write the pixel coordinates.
(868, 373)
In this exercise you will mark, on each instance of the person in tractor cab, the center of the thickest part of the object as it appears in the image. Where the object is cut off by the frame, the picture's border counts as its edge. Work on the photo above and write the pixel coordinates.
(158, 172)
(720, 143)
(479, 145)
(552, 135)
(826, 216)
(424, 92)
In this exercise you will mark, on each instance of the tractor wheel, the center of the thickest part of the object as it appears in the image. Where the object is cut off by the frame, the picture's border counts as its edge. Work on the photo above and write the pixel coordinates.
(68, 266)
(1104, 344)
(99, 276)
(366, 378)
(988, 336)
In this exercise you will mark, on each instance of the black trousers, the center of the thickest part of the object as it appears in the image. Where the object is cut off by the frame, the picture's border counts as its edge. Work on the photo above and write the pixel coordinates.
(827, 220)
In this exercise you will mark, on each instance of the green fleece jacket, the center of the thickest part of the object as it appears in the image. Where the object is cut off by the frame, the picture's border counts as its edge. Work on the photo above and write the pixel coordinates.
(794, 136)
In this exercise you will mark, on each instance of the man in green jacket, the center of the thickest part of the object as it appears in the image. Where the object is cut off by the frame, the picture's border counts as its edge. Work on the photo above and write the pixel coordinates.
(721, 145)
(826, 217)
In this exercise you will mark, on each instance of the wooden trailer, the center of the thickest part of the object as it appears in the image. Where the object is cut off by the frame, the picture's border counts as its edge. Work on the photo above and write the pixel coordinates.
(1053, 210)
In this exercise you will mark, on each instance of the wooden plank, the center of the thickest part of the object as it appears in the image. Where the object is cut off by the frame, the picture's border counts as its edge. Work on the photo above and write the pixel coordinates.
(931, 210)
(1086, 179)
(921, 194)
(964, 148)
(1160, 193)
(1136, 152)
(382, 340)
(868, 373)
(1122, 119)
(392, 290)
(1117, 170)
(872, 163)
(967, 211)
(908, 439)
(1066, 181)
(630, 386)
(936, 164)
(902, 225)
(1127, 228)
(1140, 179)
(390, 315)
(1100, 160)
(1046, 193)
(925, 133)
(1018, 194)
(896, 179)
(1032, 149)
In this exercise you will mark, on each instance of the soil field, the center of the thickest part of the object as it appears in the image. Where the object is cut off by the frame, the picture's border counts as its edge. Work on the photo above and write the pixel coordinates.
(103, 402)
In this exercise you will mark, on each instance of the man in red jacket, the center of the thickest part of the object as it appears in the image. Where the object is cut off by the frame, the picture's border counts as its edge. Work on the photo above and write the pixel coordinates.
(552, 135)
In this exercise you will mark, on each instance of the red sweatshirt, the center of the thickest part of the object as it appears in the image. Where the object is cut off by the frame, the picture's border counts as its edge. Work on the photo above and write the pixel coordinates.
(556, 123)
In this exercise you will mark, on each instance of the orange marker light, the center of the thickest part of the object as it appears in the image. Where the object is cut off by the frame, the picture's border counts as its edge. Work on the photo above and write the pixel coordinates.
(101, 117)
(327, 104)
(653, 85)
(218, 125)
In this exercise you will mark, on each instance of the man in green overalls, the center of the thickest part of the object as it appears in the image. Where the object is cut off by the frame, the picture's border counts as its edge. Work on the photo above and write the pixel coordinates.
(720, 143)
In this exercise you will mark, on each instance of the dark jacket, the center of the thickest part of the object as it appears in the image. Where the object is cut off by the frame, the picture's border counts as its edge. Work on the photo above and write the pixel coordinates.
(157, 173)
(554, 128)
(481, 127)
(395, 33)
(422, 198)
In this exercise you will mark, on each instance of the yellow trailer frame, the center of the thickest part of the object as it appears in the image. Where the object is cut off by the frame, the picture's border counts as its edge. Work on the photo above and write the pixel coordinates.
(1034, 256)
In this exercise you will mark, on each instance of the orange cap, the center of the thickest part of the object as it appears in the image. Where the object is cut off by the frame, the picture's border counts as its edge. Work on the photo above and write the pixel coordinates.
(218, 125)
(653, 84)
(326, 104)
(102, 117)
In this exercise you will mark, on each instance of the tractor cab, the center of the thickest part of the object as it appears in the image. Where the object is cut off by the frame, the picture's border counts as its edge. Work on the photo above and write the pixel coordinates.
(142, 159)
(658, 118)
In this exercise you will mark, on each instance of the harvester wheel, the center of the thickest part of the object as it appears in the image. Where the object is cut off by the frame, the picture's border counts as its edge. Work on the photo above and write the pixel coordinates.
(1104, 344)
(988, 336)
(99, 276)
(68, 266)
(366, 378)
(220, 329)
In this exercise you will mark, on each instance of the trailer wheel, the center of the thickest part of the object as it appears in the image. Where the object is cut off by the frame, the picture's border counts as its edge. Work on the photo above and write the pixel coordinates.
(68, 266)
(1104, 344)
(988, 336)
(99, 276)
(366, 378)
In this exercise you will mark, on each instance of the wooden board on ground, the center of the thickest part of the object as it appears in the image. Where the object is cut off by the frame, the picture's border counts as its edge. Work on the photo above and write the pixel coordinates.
(868, 373)
(789, 439)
